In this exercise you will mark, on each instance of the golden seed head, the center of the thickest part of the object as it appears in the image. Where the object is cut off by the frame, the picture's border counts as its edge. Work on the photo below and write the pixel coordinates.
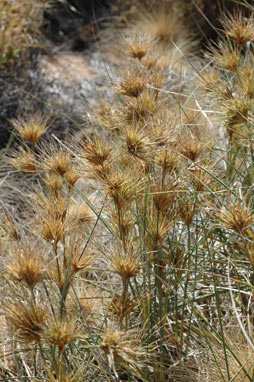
(23, 159)
(96, 152)
(236, 112)
(120, 307)
(55, 159)
(138, 143)
(54, 182)
(239, 27)
(81, 261)
(238, 216)
(26, 266)
(51, 228)
(138, 47)
(123, 186)
(164, 196)
(122, 347)
(168, 160)
(72, 176)
(133, 84)
(62, 333)
(191, 147)
(32, 128)
(226, 56)
(125, 263)
(26, 321)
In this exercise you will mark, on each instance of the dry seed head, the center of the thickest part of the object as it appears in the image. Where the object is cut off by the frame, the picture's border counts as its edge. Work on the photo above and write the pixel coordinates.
(54, 182)
(157, 231)
(163, 25)
(71, 176)
(191, 147)
(168, 160)
(141, 108)
(54, 159)
(62, 333)
(122, 347)
(133, 84)
(236, 112)
(161, 132)
(23, 159)
(238, 216)
(123, 186)
(246, 80)
(138, 47)
(96, 152)
(26, 266)
(26, 321)
(32, 128)
(239, 27)
(138, 143)
(164, 196)
(51, 228)
(81, 260)
(125, 263)
(214, 84)
(120, 307)
(226, 56)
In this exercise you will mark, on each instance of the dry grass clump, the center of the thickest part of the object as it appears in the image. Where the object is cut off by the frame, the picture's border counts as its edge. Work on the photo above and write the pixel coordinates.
(20, 27)
(137, 243)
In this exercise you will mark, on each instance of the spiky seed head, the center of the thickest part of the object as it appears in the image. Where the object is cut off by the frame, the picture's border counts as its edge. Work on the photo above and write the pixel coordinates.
(138, 47)
(54, 182)
(138, 143)
(168, 160)
(123, 347)
(123, 186)
(71, 176)
(23, 159)
(120, 307)
(133, 84)
(51, 228)
(191, 147)
(238, 216)
(164, 196)
(157, 230)
(239, 27)
(125, 263)
(26, 321)
(81, 261)
(236, 111)
(226, 56)
(31, 128)
(96, 152)
(55, 159)
(141, 108)
(62, 333)
(27, 266)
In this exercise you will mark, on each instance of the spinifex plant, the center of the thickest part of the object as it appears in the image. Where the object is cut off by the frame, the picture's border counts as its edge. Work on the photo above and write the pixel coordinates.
(134, 247)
